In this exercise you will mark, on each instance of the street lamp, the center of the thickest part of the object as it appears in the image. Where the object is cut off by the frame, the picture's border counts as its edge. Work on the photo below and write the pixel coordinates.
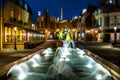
(15, 28)
(115, 28)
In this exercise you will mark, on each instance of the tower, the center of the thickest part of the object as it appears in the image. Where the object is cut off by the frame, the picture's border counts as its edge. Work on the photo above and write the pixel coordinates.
(61, 14)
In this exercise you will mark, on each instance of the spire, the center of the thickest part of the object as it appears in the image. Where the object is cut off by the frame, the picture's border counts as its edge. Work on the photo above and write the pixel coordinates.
(61, 14)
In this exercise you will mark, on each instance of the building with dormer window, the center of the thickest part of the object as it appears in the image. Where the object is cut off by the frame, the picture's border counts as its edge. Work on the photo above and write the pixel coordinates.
(15, 14)
(108, 17)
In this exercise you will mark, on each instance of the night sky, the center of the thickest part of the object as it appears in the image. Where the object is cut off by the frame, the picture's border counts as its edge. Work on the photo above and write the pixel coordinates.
(71, 8)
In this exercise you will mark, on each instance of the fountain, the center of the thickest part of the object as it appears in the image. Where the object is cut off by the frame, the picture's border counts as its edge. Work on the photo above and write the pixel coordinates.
(66, 63)
(39, 60)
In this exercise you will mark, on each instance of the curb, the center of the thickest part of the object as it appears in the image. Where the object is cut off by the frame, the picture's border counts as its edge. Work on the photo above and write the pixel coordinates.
(4, 69)
(112, 68)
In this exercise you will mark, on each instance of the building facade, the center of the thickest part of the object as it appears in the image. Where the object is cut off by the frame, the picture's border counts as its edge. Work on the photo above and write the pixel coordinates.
(47, 25)
(108, 18)
(15, 23)
(88, 26)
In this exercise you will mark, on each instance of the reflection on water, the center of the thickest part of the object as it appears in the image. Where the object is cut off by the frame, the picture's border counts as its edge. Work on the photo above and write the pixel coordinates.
(66, 63)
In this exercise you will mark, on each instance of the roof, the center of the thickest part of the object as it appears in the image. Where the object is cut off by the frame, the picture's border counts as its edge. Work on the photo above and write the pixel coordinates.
(109, 8)
(22, 3)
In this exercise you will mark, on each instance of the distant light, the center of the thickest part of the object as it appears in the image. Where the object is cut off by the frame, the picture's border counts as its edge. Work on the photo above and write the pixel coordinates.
(79, 16)
(58, 18)
(75, 17)
(33, 25)
(15, 28)
(115, 28)
(39, 13)
(88, 31)
(84, 10)
(96, 31)
(83, 34)
(110, 1)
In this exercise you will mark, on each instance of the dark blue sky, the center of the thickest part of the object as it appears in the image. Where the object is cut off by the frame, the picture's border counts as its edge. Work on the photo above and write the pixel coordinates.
(71, 8)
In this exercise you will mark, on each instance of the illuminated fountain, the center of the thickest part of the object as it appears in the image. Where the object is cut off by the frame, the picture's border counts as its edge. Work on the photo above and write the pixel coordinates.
(66, 63)
(29, 69)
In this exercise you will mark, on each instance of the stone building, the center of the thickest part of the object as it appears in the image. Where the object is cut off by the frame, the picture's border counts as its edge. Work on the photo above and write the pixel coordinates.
(47, 25)
(15, 14)
(108, 18)
(88, 26)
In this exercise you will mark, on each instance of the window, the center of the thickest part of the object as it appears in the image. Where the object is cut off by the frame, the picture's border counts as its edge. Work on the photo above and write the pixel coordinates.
(25, 18)
(12, 13)
(112, 21)
(95, 13)
(99, 11)
(26, 6)
(99, 21)
(8, 37)
(118, 20)
(19, 16)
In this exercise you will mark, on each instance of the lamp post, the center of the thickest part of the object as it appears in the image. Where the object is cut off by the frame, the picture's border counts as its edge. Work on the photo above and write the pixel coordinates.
(15, 28)
(115, 28)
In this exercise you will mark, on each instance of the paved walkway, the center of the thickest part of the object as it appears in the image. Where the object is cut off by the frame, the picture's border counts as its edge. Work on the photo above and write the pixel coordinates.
(105, 50)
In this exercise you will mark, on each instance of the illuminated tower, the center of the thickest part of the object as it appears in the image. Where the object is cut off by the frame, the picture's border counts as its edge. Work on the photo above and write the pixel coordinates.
(61, 14)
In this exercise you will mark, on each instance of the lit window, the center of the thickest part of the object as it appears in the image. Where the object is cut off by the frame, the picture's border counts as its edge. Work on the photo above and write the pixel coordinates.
(112, 20)
(12, 13)
(99, 21)
(99, 11)
(19, 17)
(118, 20)
(95, 13)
